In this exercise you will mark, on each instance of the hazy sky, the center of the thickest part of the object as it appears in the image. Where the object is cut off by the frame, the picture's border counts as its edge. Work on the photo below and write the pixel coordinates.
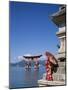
(31, 29)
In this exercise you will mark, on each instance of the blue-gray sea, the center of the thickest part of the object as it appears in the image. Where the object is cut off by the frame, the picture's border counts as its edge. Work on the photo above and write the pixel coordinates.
(19, 77)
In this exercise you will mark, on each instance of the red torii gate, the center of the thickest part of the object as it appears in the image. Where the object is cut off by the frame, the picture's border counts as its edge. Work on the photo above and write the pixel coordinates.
(30, 58)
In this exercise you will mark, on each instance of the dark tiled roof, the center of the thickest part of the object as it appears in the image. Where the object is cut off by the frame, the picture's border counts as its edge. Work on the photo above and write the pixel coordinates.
(60, 12)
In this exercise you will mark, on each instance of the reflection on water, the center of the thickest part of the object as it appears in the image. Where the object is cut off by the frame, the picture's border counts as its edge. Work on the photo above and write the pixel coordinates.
(28, 75)
(21, 77)
(36, 74)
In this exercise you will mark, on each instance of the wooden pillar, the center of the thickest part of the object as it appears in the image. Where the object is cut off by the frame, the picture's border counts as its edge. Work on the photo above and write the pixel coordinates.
(28, 63)
(36, 66)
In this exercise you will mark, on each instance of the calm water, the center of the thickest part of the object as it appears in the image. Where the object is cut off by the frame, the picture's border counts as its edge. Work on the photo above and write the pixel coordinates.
(21, 78)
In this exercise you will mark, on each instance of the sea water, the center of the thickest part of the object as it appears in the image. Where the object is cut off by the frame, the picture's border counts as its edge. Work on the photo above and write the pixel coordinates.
(19, 77)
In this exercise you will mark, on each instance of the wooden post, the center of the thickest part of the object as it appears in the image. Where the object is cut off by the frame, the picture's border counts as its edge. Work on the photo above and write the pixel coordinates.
(36, 63)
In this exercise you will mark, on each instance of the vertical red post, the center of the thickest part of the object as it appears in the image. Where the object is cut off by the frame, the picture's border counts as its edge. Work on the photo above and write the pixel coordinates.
(28, 63)
(36, 66)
